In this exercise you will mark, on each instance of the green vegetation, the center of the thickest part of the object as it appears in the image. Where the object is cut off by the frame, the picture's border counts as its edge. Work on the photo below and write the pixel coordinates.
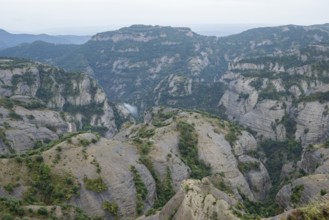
(141, 190)
(245, 167)
(158, 120)
(233, 133)
(112, 208)
(7, 103)
(243, 96)
(96, 185)
(218, 181)
(28, 78)
(4, 138)
(249, 210)
(41, 146)
(270, 92)
(145, 133)
(84, 142)
(313, 211)
(188, 141)
(46, 186)
(297, 193)
(164, 188)
(15, 116)
(11, 209)
(119, 119)
(319, 96)
(97, 129)
(257, 84)
(10, 187)
(323, 192)
(277, 154)
(290, 125)
(86, 110)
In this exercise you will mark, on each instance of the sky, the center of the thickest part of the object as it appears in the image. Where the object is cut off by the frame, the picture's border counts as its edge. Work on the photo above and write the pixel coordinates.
(86, 17)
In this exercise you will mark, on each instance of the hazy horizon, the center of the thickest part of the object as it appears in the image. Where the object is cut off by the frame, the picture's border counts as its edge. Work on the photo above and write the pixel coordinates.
(207, 29)
(87, 17)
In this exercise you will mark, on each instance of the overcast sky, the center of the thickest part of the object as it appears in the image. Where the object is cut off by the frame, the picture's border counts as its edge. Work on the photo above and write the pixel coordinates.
(90, 16)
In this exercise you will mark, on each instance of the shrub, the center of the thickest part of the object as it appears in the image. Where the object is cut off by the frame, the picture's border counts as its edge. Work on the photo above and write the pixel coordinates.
(323, 192)
(141, 190)
(187, 145)
(42, 211)
(9, 187)
(84, 142)
(7, 216)
(248, 166)
(297, 193)
(139, 184)
(111, 207)
(15, 116)
(96, 185)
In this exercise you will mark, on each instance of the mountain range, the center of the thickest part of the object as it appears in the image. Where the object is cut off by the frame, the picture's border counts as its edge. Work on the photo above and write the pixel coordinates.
(232, 127)
(10, 40)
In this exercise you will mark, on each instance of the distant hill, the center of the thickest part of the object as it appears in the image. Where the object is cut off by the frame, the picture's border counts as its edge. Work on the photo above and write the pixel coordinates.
(10, 40)
(153, 65)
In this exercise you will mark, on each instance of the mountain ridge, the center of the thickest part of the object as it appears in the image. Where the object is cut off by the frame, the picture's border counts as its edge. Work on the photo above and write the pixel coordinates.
(10, 40)
(270, 155)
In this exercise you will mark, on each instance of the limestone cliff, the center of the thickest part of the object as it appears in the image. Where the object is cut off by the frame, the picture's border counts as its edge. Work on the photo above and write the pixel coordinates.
(40, 102)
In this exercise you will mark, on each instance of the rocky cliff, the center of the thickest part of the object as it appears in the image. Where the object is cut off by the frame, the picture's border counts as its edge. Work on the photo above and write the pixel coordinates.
(39, 103)
(153, 65)
(281, 96)
(272, 82)
(143, 166)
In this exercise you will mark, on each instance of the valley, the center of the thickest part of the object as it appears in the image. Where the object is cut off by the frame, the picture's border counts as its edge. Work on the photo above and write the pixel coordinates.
(232, 127)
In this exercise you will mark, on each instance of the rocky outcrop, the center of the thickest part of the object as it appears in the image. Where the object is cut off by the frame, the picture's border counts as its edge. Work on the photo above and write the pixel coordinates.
(198, 200)
(213, 149)
(114, 159)
(303, 191)
(257, 177)
(246, 143)
(312, 122)
(40, 102)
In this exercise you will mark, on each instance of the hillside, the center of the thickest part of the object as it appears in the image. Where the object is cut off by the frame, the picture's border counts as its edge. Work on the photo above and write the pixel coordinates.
(154, 65)
(39, 103)
(11, 40)
(145, 169)
(228, 128)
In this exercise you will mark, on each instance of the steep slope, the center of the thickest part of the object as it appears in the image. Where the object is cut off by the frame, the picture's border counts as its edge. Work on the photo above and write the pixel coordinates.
(282, 96)
(148, 65)
(153, 65)
(38, 103)
(141, 168)
(274, 82)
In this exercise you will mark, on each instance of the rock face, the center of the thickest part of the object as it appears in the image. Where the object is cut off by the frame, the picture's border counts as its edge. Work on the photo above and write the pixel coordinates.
(114, 159)
(303, 191)
(178, 65)
(106, 159)
(155, 154)
(213, 149)
(40, 102)
(273, 81)
(312, 122)
(198, 200)
(278, 100)
(258, 178)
